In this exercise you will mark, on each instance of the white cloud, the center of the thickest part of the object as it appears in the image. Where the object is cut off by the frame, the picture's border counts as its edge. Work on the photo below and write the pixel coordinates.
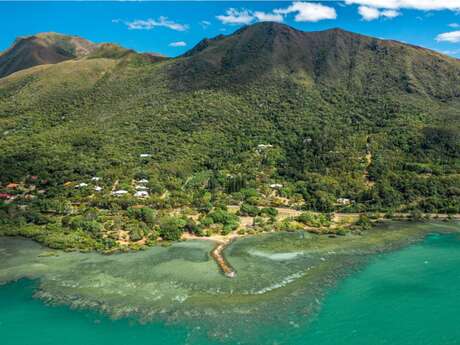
(424, 5)
(177, 44)
(308, 12)
(452, 37)
(390, 14)
(204, 24)
(372, 13)
(236, 17)
(268, 17)
(454, 25)
(243, 16)
(149, 24)
(368, 13)
(304, 12)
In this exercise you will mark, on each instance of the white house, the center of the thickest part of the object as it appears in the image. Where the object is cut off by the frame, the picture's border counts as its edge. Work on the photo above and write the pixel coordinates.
(97, 188)
(143, 181)
(81, 185)
(264, 146)
(145, 155)
(141, 194)
(95, 178)
(138, 187)
(119, 192)
(276, 186)
(343, 201)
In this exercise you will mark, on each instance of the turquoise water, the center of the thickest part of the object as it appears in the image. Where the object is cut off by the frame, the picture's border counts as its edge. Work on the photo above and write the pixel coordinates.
(409, 296)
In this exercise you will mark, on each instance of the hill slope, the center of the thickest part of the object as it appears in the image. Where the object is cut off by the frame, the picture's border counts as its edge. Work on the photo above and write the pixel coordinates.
(44, 48)
(335, 58)
(342, 116)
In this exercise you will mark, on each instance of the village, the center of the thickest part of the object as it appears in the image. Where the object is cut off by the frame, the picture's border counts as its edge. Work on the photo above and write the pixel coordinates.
(111, 214)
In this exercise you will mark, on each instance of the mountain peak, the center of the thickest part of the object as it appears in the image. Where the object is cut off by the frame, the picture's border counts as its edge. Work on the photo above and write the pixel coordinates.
(334, 56)
(43, 48)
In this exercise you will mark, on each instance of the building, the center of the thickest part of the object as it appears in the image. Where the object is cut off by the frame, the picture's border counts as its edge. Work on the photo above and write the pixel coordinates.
(264, 146)
(119, 192)
(141, 194)
(276, 186)
(343, 201)
(95, 178)
(138, 187)
(12, 185)
(81, 185)
(97, 188)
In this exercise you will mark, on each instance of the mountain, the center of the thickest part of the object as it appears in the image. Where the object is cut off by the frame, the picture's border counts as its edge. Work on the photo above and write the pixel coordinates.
(43, 48)
(335, 58)
(52, 48)
(343, 115)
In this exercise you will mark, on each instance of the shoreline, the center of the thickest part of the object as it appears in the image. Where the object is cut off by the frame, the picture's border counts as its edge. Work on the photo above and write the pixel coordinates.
(222, 242)
(332, 258)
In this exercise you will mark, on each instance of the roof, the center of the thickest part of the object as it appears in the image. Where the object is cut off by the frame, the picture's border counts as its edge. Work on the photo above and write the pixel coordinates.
(121, 191)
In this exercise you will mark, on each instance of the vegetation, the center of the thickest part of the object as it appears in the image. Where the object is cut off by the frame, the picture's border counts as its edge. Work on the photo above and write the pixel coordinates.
(371, 126)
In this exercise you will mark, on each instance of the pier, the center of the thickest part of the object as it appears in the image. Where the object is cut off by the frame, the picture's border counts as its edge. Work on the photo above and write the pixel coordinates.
(217, 255)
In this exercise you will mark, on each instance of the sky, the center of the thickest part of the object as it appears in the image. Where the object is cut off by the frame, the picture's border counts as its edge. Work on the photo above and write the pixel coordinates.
(173, 27)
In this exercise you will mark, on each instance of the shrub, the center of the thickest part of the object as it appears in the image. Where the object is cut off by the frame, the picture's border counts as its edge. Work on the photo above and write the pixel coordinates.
(313, 219)
(248, 210)
(171, 228)
(269, 211)
(144, 214)
(364, 222)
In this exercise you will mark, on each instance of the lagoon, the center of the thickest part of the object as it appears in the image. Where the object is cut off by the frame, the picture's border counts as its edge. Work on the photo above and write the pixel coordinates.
(388, 289)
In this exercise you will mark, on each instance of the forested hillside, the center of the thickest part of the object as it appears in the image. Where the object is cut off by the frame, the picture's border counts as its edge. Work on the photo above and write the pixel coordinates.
(267, 116)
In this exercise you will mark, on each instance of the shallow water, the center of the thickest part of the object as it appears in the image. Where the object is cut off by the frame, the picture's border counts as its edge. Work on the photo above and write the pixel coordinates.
(406, 296)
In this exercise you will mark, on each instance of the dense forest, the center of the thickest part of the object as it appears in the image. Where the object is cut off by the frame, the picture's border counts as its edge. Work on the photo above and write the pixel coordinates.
(116, 143)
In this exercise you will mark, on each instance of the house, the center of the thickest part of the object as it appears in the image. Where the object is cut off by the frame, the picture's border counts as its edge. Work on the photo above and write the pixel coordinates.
(12, 185)
(343, 201)
(143, 181)
(81, 185)
(138, 187)
(95, 178)
(34, 178)
(119, 192)
(68, 183)
(145, 155)
(5, 196)
(276, 186)
(264, 146)
(141, 194)
(97, 188)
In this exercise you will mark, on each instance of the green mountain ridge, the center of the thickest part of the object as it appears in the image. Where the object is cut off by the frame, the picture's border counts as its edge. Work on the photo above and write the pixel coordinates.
(332, 58)
(51, 48)
(328, 115)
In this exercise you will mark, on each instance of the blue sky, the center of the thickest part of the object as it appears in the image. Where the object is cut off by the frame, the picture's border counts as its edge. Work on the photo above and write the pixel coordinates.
(172, 27)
